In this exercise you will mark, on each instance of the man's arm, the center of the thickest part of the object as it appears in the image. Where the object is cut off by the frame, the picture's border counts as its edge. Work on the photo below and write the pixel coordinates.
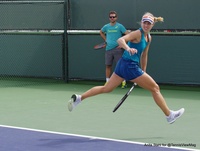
(127, 32)
(103, 35)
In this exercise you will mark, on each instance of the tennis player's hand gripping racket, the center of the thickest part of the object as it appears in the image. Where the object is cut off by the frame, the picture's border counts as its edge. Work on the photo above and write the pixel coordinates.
(124, 98)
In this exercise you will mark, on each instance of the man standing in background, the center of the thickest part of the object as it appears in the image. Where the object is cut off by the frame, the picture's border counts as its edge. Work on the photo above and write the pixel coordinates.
(110, 33)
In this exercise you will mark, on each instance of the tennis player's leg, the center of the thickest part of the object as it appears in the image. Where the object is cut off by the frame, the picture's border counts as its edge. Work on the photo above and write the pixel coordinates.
(114, 82)
(146, 82)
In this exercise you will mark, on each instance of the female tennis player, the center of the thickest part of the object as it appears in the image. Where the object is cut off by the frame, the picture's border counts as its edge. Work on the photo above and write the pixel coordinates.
(132, 67)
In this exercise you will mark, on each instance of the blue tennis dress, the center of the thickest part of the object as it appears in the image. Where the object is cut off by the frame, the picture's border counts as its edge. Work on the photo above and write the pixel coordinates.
(128, 66)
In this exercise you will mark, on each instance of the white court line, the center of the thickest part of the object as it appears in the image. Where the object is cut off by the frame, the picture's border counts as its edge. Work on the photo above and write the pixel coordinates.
(91, 137)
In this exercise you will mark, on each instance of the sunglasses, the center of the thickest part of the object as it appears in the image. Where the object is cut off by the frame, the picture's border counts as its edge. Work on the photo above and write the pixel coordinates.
(112, 16)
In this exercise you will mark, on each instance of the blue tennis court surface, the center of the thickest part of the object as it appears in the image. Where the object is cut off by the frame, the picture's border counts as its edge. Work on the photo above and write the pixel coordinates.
(23, 139)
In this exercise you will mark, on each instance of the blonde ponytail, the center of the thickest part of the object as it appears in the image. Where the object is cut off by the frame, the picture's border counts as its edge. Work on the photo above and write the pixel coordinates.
(155, 19)
(158, 19)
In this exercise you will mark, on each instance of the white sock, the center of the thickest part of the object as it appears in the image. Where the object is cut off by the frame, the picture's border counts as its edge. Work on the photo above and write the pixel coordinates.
(169, 114)
(78, 100)
(107, 79)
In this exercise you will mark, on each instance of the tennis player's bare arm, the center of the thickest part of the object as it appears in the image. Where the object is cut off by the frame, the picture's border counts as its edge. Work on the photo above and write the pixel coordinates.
(144, 59)
(144, 56)
(134, 36)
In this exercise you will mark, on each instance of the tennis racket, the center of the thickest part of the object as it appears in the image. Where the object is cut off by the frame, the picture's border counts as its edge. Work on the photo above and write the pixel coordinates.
(101, 45)
(124, 97)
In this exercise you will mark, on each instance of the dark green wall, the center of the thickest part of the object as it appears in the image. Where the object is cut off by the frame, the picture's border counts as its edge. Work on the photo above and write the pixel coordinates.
(175, 59)
(172, 59)
(178, 14)
(84, 61)
(34, 55)
(31, 15)
(31, 55)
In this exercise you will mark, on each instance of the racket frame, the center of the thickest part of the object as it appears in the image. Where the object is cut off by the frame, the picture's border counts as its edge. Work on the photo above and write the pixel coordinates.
(124, 98)
(101, 45)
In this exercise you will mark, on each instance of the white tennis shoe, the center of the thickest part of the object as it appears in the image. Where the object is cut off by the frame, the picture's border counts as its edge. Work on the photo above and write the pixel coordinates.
(74, 101)
(174, 115)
